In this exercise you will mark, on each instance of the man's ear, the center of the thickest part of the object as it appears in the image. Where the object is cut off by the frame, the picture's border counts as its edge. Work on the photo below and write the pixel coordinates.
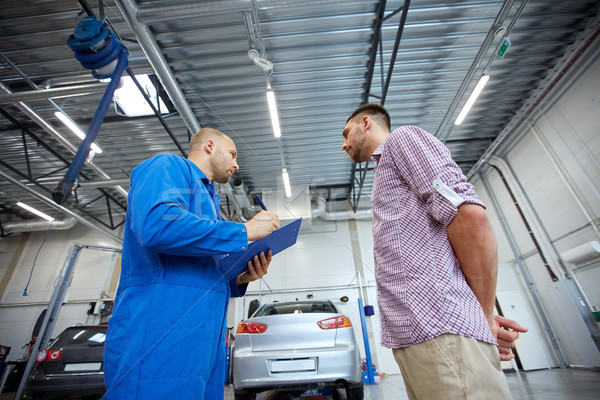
(366, 122)
(209, 146)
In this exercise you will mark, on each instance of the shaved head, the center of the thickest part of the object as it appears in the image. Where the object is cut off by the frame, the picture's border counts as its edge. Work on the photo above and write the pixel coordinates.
(203, 135)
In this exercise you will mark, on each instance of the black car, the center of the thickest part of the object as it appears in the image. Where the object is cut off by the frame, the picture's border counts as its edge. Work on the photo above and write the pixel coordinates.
(72, 365)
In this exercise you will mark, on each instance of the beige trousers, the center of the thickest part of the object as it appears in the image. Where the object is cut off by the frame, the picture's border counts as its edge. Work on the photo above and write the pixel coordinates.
(452, 367)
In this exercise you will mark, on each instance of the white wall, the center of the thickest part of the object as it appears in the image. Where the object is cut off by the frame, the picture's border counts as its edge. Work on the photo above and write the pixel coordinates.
(19, 313)
(553, 166)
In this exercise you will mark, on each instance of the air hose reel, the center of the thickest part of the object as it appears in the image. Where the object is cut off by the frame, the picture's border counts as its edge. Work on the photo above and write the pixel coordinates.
(96, 48)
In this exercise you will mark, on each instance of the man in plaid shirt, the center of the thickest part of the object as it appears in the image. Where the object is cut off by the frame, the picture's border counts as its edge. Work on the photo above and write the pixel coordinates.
(435, 263)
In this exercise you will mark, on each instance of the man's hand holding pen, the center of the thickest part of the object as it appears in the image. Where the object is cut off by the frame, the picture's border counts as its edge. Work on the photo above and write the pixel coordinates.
(261, 225)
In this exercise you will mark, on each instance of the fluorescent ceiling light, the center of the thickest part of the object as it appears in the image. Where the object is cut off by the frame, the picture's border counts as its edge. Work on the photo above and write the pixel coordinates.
(465, 110)
(273, 112)
(36, 212)
(76, 129)
(286, 183)
(132, 102)
(121, 190)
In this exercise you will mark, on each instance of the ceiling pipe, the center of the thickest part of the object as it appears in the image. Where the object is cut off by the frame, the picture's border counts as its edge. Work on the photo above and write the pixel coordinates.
(53, 93)
(109, 182)
(320, 208)
(52, 204)
(38, 225)
(320, 211)
(226, 191)
(154, 54)
(187, 9)
(346, 215)
(485, 46)
(95, 183)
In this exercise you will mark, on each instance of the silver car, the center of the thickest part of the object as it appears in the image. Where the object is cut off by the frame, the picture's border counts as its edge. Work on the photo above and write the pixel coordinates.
(299, 346)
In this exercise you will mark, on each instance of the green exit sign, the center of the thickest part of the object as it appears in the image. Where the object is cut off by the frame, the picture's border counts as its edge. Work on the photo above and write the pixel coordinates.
(503, 47)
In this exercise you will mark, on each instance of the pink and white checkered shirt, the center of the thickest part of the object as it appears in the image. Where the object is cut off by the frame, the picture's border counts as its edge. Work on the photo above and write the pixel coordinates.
(421, 290)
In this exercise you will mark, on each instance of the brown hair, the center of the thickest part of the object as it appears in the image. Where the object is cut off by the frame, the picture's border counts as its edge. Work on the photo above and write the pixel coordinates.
(202, 136)
(374, 110)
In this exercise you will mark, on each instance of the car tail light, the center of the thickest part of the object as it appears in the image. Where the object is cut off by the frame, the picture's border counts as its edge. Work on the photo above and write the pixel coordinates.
(41, 356)
(251, 327)
(334, 323)
(46, 355)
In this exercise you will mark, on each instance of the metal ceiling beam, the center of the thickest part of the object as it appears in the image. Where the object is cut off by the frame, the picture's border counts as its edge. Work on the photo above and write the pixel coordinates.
(373, 52)
(353, 196)
(149, 46)
(51, 130)
(52, 151)
(103, 194)
(395, 51)
(187, 9)
(53, 93)
(65, 210)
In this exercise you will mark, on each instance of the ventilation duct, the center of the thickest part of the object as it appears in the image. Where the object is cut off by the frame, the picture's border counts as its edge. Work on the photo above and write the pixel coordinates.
(320, 211)
(38, 225)
(346, 215)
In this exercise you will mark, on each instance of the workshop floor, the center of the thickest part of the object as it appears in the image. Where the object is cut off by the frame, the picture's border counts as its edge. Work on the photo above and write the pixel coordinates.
(554, 384)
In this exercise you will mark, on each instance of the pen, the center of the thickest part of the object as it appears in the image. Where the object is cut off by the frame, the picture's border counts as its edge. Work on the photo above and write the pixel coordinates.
(262, 205)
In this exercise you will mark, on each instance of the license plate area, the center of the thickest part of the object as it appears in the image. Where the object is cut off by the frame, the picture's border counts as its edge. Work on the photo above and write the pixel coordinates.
(293, 365)
(83, 367)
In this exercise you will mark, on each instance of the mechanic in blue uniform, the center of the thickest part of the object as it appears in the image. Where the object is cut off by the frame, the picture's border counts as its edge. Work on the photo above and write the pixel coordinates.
(166, 337)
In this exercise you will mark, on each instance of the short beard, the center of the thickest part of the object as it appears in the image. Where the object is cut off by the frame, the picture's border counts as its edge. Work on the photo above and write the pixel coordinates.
(222, 178)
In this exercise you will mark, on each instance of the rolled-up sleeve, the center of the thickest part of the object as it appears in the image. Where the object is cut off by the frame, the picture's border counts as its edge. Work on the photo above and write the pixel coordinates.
(427, 167)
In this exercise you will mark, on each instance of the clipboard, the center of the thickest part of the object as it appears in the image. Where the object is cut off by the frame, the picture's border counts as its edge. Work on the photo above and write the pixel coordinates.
(235, 263)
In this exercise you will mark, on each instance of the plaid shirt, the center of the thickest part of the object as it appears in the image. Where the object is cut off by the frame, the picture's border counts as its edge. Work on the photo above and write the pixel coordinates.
(421, 290)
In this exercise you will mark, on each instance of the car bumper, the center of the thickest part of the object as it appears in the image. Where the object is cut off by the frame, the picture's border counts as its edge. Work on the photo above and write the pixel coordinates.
(271, 369)
(60, 387)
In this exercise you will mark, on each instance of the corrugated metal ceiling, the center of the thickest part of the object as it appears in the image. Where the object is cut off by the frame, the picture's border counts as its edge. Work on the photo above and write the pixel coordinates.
(321, 55)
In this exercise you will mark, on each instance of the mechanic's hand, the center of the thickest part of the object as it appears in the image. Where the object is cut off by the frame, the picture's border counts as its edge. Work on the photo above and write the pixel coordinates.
(506, 338)
(261, 225)
(257, 268)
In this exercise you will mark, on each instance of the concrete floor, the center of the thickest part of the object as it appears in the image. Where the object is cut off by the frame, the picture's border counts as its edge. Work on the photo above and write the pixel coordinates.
(554, 384)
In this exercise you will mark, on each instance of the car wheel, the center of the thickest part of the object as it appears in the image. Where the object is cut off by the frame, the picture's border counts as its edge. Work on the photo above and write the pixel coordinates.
(355, 392)
(244, 395)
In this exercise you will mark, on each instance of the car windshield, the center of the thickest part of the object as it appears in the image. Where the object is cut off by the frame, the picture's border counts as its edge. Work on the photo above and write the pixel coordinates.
(81, 336)
(296, 308)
